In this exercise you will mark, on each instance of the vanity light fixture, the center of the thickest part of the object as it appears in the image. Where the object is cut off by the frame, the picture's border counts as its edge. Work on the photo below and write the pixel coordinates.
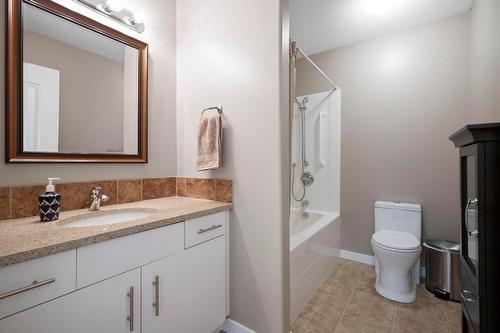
(122, 15)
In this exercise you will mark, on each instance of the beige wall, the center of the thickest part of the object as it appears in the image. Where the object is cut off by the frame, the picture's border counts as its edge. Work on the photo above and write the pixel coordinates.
(484, 62)
(403, 94)
(160, 18)
(91, 100)
(229, 53)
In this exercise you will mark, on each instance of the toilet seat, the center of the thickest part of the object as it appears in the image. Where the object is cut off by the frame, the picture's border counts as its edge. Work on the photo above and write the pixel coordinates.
(396, 241)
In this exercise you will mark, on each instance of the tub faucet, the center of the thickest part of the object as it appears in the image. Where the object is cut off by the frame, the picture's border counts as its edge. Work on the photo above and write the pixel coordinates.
(96, 197)
(304, 203)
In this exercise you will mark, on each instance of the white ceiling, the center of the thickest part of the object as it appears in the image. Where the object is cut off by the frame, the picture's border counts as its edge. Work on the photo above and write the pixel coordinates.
(320, 25)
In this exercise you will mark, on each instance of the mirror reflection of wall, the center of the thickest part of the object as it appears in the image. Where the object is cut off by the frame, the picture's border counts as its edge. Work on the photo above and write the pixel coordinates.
(80, 88)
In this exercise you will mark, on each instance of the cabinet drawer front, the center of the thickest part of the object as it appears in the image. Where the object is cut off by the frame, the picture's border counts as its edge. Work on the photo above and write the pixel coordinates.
(105, 307)
(36, 281)
(103, 260)
(204, 228)
(470, 301)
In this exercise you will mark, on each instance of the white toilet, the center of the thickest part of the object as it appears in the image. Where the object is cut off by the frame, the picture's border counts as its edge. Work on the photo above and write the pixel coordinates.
(396, 245)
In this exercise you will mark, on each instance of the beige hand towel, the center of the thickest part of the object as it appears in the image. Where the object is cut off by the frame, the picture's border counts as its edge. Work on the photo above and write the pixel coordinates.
(209, 143)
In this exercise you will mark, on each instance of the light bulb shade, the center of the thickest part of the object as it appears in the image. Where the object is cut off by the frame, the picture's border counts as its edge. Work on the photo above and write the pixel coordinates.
(114, 6)
(94, 3)
(121, 14)
(113, 9)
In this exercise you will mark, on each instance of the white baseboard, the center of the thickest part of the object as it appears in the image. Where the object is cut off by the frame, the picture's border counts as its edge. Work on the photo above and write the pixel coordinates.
(359, 257)
(231, 326)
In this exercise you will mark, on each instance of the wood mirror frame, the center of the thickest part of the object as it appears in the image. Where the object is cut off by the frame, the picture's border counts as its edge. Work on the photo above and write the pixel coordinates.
(14, 87)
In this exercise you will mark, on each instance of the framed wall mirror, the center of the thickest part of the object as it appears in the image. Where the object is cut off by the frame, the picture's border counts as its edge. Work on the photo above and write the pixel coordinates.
(76, 89)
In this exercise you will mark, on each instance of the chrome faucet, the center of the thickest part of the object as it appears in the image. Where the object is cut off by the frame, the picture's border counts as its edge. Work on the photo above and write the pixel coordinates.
(96, 197)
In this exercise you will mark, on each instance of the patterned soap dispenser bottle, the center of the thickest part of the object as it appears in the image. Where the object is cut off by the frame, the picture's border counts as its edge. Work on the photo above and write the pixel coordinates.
(49, 203)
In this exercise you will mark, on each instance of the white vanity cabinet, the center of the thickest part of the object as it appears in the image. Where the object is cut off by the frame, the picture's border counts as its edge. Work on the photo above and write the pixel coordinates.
(186, 292)
(175, 281)
(33, 282)
(108, 306)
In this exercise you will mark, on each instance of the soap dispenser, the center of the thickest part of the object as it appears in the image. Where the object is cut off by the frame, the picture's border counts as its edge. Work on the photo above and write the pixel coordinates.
(49, 203)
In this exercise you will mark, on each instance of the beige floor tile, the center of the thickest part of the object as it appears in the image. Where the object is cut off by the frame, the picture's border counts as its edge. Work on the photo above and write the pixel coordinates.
(331, 300)
(424, 309)
(299, 329)
(311, 321)
(366, 281)
(346, 275)
(453, 313)
(349, 264)
(368, 274)
(352, 323)
(366, 313)
(408, 322)
(374, 305)
(455, 329)
(425, 294)
(454, 316)
(348, 302)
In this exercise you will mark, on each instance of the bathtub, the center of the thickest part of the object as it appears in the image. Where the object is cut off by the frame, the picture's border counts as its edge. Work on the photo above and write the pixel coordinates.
(314, 251)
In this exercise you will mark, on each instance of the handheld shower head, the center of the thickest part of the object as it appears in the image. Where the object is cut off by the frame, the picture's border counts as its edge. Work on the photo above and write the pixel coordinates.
(302, 105)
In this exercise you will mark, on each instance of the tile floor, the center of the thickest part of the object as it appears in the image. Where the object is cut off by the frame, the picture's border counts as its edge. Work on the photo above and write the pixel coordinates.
(348, 302)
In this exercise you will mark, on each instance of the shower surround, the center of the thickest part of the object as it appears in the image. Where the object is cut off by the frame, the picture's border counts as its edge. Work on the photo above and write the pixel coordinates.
(315, 220)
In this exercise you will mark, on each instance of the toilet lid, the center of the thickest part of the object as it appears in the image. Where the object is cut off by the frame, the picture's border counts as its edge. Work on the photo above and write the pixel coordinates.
(396, 240)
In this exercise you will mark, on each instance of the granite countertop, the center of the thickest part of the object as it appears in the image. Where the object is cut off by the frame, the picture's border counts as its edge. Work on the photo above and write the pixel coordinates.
(28, 238)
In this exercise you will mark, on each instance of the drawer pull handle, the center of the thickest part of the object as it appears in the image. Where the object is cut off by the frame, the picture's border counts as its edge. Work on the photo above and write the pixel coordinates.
(156, 304)
(470, 202)
(201, 231)
(131, 317)
(467, 299)
(34, 285)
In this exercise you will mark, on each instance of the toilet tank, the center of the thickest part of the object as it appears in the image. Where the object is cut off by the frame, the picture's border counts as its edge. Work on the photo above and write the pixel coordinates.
(399, 216)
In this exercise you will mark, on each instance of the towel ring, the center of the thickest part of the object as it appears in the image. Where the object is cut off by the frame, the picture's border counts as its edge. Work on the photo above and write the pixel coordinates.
(217, 107)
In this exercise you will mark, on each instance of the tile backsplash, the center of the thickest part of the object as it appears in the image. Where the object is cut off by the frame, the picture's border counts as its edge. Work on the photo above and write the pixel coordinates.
(4, 203)
(22, 201)
(153, 188)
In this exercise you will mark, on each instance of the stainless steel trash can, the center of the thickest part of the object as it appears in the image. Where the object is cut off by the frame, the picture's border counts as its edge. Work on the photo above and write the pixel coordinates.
(443, 268)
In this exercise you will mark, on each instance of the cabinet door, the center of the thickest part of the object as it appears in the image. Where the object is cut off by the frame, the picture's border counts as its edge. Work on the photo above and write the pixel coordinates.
(191, 294)
(107, 307)
(471, 198)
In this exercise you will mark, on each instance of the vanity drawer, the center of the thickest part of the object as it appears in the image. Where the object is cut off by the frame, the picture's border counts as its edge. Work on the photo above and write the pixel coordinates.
(202, 229)
(470, 301)
(55, 275)
(100, 261)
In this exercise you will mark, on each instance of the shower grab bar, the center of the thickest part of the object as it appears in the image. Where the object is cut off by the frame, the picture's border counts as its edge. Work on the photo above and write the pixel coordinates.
(322, 146)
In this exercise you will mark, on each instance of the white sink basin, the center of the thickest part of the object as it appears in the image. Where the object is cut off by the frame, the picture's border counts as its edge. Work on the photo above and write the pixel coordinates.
(107, 217)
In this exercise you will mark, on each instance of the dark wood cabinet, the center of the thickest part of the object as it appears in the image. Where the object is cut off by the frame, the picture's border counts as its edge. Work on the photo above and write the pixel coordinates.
(480, 226)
